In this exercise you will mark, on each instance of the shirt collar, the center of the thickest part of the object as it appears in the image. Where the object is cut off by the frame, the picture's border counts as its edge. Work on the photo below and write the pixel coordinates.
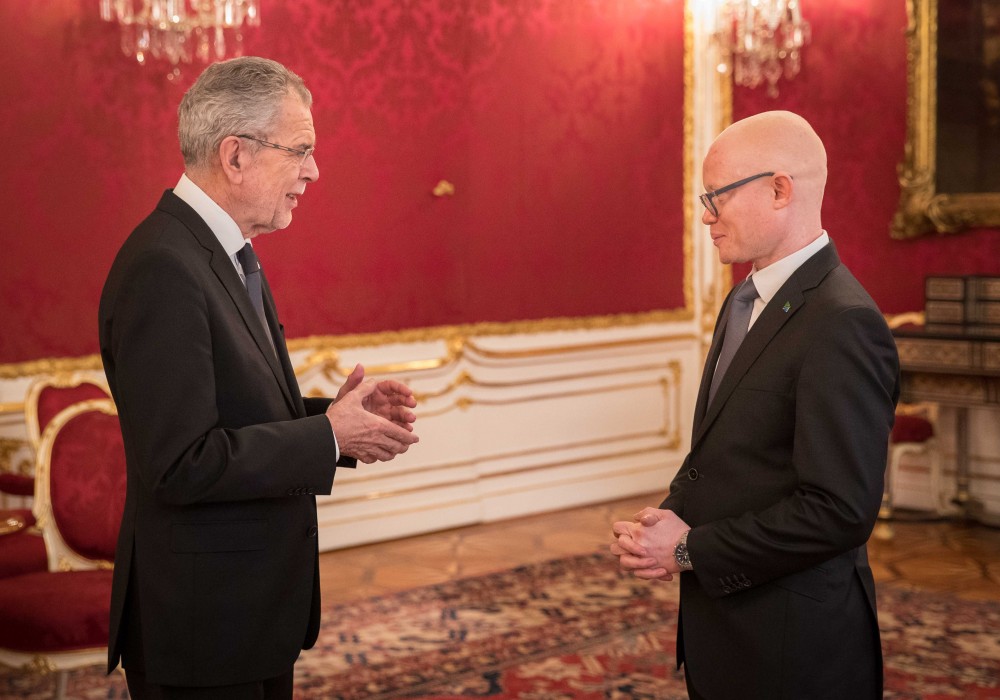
(769, 280)
(221, 223)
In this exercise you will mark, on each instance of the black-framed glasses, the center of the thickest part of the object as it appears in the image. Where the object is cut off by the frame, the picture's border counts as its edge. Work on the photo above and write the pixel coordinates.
(708, 199)
(301, 153)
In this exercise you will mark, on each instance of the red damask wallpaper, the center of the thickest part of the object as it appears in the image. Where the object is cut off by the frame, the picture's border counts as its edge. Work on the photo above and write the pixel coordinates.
(852, 89)
(559, 122)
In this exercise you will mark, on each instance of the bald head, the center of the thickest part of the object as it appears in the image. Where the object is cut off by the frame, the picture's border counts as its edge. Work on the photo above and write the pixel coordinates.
(777, 210)
(777, 141)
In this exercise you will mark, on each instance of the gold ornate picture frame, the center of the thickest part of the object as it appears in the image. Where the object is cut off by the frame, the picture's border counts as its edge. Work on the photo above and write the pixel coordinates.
(922, 208)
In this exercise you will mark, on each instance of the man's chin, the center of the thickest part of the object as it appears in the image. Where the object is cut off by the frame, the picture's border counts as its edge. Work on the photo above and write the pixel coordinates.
(276, 225)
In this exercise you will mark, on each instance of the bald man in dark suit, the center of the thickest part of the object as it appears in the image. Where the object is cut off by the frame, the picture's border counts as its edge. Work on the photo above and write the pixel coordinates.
(767, 520)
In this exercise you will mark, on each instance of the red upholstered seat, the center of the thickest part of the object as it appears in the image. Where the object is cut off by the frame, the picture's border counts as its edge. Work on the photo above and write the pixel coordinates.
(912, 438)
(55, 611)
(57, 619)
(22, 552)
(17, 484)
(912, 428)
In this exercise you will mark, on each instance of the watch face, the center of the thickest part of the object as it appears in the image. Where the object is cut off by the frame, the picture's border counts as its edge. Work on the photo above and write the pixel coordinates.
(681, 555)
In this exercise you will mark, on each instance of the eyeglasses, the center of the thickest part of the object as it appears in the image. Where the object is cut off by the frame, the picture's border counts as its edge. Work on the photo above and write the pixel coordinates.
(303, 154)
(708, 198)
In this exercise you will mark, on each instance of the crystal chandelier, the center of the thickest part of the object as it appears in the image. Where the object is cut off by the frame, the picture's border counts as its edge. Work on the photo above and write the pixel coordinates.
(180, 31)
(761, 41)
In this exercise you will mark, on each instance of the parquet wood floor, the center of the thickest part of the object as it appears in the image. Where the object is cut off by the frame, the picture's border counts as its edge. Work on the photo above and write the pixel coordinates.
(947, 556)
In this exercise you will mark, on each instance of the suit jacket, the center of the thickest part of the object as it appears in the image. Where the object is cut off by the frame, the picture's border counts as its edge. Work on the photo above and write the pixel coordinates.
(782, 488)
(218, 539)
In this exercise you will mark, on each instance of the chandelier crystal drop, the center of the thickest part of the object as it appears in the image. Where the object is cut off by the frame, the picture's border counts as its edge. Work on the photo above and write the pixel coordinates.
(181, 31)
(761, 41)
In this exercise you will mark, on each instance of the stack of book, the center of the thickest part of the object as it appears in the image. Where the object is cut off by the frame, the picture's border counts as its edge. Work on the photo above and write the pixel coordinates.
(968, 304)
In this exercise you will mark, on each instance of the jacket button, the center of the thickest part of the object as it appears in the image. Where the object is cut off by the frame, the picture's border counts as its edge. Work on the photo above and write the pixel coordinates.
(312, 531)
(693, 474)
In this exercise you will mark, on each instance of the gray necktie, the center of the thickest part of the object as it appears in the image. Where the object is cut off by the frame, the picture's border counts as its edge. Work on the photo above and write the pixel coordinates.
(737, 325)
(251, 271)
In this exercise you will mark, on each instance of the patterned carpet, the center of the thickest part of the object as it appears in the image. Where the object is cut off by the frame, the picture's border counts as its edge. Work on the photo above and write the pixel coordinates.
(575, 628)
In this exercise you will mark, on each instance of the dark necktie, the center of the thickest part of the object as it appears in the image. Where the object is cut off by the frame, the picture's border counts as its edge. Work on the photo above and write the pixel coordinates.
(251, 271)
(737, 326)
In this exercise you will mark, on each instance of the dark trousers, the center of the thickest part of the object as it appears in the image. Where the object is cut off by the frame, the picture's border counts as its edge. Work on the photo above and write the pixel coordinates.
(692, 693)
(134, 663)
(279, 688)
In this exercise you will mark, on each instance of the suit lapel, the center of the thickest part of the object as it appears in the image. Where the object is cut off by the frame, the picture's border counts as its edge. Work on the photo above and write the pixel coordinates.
(291, 384)
(222, 265)
(787, 302)
(713, 358)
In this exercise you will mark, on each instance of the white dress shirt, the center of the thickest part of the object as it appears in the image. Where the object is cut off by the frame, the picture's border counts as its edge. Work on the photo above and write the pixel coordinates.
(221, 223)
(769, 280)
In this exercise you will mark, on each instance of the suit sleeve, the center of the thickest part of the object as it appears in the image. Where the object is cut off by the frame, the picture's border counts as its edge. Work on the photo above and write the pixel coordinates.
(845, 398)
(165, 368)
(675, 496)
(318, 406)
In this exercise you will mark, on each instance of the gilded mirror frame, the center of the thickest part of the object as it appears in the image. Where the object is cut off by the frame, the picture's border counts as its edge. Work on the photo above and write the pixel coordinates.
(923, 210)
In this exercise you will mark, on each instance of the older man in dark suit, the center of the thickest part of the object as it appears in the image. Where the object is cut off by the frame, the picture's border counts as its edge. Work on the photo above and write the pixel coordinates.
(216, 587)
(768, 517)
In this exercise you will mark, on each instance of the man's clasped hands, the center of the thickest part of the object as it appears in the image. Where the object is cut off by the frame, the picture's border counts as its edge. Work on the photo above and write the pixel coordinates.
(645, 545)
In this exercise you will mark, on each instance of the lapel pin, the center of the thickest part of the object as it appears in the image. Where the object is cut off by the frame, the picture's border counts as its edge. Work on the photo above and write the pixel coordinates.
(786, 307)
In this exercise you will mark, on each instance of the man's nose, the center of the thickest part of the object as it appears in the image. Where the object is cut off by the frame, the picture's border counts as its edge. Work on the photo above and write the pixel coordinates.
(310, 170)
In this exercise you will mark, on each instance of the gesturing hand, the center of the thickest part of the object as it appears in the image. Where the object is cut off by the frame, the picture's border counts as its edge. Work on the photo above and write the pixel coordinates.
(372, 420)
(390, 399)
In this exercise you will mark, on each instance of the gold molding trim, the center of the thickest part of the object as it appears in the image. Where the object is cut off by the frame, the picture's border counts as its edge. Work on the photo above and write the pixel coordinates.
(464, 402)
(459, 347)
(374, 476)
(466, 379)
(379, 495)
(16, 370)
(687, 158)
(922, 209)
(39, 665)
(671, 433)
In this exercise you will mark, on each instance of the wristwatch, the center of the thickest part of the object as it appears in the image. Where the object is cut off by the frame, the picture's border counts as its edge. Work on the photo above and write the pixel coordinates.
(681, 555)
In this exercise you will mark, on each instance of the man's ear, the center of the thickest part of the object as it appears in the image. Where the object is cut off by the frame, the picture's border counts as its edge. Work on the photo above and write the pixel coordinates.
(234, 158)
(782, 185)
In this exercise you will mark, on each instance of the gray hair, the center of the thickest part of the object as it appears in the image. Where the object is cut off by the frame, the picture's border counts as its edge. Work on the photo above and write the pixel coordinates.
(239, 96)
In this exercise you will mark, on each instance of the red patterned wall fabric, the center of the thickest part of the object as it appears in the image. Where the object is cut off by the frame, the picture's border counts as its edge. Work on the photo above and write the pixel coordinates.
(559, 122)
(852, 89)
